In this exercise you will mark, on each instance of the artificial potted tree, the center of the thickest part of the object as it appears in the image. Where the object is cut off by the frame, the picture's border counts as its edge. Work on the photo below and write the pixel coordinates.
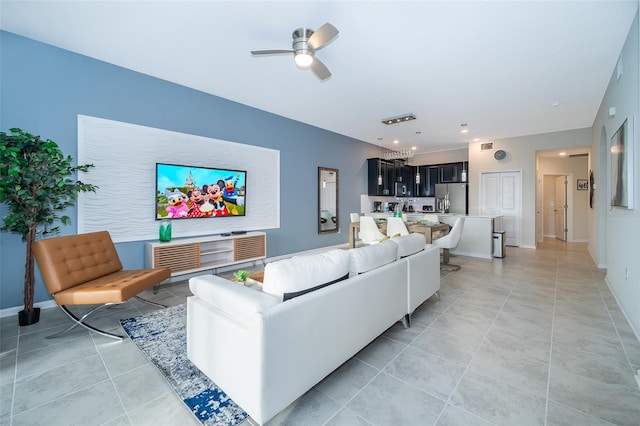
(37, 183)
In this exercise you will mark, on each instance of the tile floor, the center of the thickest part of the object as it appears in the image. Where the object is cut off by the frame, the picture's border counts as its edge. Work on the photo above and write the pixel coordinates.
(535, 338)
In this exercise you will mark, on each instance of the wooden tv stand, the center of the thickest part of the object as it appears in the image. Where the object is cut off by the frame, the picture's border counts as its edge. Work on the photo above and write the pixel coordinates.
(189, 255)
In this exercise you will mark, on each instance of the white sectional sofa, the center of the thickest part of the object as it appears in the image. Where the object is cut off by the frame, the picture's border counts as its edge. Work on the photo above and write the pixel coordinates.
(267, 348)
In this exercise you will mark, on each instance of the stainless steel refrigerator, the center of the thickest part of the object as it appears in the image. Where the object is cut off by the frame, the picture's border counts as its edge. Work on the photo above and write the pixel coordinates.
(452, 197)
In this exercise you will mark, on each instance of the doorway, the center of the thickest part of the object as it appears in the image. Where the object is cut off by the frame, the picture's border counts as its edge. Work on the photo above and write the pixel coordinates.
(557, 196)
(560, 210)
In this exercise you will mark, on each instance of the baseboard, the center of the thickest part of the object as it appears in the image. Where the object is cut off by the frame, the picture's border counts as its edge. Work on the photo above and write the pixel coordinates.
(637, 334)
(7, 312)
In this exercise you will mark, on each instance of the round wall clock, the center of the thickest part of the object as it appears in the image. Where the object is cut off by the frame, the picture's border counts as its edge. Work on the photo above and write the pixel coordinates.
(499, 154)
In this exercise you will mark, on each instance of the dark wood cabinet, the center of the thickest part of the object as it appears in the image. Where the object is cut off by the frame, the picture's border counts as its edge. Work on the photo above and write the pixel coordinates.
(399, 179)
(385, 169)
(429, 176)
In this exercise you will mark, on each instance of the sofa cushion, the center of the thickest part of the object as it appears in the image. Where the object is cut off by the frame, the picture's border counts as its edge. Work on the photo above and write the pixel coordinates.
(409, 244)
(366, 258)
(304, 272)
(233, 298)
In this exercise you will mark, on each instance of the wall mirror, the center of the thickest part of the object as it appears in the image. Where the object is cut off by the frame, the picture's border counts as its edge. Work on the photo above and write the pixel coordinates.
(327, 200)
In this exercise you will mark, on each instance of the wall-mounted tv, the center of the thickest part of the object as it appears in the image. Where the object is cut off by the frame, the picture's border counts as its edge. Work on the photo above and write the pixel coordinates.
(190, 192)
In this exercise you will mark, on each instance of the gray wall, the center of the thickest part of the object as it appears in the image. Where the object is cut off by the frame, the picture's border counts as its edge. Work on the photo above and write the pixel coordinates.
(44, 88)
(614, 233)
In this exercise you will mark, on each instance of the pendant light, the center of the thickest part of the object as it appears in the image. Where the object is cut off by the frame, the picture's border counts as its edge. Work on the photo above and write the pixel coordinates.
(379, 163)
(417, 168)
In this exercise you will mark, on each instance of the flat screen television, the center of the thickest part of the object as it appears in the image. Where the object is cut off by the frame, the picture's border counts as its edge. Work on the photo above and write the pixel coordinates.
(190, 192)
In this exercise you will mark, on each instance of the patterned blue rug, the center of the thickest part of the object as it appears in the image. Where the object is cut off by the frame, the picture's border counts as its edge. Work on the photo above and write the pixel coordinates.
(162, 338)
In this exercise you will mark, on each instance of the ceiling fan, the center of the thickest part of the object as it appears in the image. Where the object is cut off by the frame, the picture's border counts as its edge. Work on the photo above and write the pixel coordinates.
(305, 43)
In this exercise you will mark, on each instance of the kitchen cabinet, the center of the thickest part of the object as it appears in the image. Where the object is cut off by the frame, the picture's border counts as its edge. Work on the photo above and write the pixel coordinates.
(429, 176)
(384, 168)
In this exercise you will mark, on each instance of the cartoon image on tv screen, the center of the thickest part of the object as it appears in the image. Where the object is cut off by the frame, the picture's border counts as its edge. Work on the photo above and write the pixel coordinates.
(184, 192)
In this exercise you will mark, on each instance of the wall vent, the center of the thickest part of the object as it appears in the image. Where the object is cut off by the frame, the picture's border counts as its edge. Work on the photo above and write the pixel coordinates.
(486, 146)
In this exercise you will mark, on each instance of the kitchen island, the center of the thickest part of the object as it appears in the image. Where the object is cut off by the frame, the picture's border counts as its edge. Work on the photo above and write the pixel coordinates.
(477, 234)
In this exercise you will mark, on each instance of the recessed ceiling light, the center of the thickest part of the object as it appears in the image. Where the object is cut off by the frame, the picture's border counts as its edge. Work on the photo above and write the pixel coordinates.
(556, 104)
(476, 139)
(396, 141)
(464, 128)
(414, 148)
(562, 154)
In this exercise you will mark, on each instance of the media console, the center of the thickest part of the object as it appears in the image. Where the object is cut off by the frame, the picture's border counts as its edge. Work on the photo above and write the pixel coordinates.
(188, 255)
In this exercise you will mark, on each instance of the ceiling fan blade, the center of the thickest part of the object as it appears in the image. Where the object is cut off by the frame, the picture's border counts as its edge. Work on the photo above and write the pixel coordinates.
(269, 52)
(320, 69)
(322, 36)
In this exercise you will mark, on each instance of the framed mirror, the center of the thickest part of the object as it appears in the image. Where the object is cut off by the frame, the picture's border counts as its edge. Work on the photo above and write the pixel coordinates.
(327, 200)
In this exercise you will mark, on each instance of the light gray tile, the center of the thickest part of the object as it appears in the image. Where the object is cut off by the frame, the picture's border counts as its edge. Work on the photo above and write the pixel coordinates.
(559, 415)
(404, 335)
(498, 402)
(389, 401)
(7, 367)
(529, 346)
(453, 348)
(454, 416)
(167, 410)
(380, 352)
(6, 397)
(140, 386)
(586, 340)
(9, 326)
(8, 343)
(95, 405)
(602, 369)
(39, 360)
(38, 339)
(312, 408)
(594, 398)
(456, 325)
(434, 375)
(347, 380)
(38, 389)
(516, 371)
(123, 358)
(347, 417)
(426, 314)
(514, 323)
(119, 421)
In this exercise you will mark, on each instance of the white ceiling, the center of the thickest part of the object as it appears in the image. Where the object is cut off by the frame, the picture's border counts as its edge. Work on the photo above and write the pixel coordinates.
(498, 66)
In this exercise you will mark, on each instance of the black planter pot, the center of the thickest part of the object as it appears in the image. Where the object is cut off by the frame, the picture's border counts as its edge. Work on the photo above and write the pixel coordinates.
(29, 317)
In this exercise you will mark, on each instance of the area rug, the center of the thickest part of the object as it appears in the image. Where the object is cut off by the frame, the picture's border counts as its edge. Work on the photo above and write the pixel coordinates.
(162, 338)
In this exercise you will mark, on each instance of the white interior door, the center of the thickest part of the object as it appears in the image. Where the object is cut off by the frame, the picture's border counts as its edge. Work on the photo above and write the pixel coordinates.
(501, 195)
(561, 208)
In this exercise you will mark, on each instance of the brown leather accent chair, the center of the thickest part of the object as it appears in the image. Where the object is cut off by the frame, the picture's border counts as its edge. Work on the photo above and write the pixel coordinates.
(85, 269)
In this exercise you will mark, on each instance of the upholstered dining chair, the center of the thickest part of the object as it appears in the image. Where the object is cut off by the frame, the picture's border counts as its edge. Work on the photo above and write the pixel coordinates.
(85, 269)
(369, 232)
(395, 226)
(448, 242)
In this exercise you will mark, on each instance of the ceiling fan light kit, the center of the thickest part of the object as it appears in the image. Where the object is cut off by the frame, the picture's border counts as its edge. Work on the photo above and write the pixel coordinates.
(304, 45)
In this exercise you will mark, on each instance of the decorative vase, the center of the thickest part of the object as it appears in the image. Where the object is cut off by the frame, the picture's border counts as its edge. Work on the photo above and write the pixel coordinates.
(165, 231)
(29, 317)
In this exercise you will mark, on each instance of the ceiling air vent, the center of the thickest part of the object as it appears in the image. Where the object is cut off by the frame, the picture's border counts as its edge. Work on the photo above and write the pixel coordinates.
(486, 146)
